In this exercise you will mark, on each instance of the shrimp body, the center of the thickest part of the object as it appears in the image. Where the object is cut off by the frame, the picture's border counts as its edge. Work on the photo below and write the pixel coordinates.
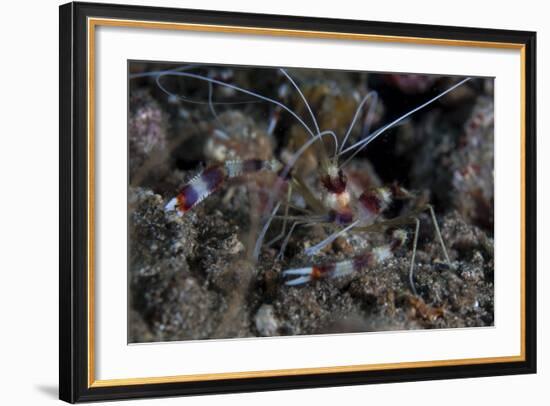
(344, 208)
(338, 205)
(337, 197)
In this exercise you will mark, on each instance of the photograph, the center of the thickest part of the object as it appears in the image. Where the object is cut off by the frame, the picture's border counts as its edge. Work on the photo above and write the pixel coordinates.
(290, 201)
(254, 201)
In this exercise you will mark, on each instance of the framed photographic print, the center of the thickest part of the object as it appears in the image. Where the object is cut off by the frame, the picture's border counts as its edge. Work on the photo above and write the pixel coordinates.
(257, 202)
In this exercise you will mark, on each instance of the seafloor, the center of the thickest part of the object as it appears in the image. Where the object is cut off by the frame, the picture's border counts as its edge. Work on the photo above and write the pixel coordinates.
(194, 276)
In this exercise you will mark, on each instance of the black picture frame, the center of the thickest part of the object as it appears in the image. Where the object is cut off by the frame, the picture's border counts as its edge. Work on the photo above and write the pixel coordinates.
(74, 199)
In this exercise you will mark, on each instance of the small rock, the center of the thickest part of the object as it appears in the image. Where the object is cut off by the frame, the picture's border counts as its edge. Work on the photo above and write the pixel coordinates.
(266, 322)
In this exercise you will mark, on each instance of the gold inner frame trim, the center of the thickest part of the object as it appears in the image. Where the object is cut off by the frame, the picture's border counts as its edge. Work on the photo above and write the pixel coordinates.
(94, 22)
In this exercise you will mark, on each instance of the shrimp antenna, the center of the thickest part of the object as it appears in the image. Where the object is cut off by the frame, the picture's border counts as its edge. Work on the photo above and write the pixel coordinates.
(161, 74)
(363, 143)
(210, 105)
(284, 72)
(324, 157)
(158, 74)
(372, 94)
(261, 237)
(155, 73)
(303, 148)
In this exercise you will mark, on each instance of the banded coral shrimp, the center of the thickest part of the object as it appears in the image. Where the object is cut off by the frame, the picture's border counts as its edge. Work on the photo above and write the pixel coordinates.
(328, 202)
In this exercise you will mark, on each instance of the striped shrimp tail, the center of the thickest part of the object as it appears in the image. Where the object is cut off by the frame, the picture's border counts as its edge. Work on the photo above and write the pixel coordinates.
(197, 189)
(338, 269)
(315, 272)
(302, 275)
(211, 179)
